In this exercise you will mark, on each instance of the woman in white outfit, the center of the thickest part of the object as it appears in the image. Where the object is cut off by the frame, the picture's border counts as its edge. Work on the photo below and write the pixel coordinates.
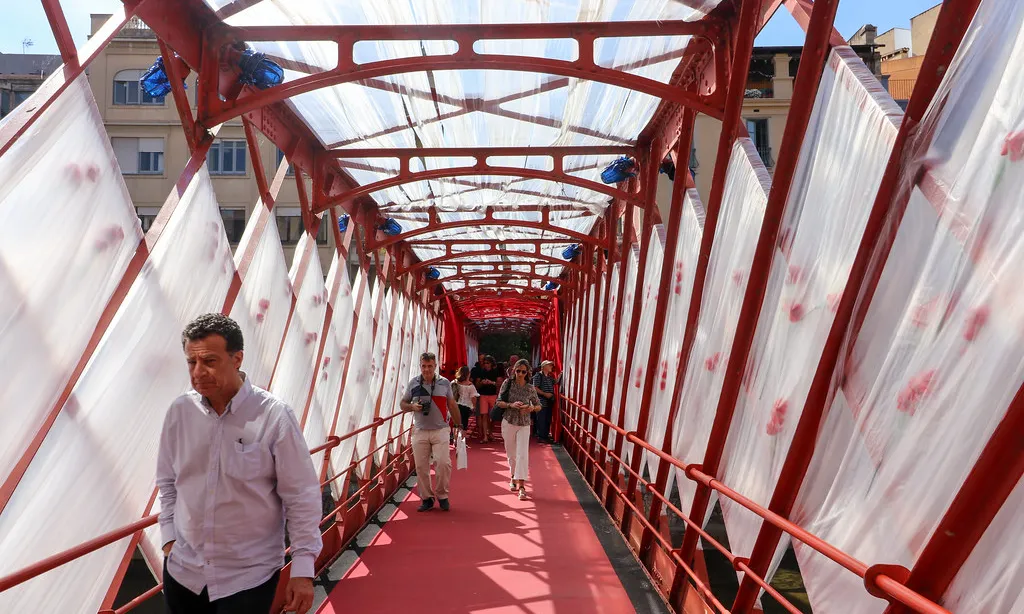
(519, 399)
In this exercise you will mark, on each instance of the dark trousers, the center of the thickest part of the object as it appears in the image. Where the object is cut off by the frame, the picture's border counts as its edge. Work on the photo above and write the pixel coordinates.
(544, 422)
(256, 600)
(466, 411)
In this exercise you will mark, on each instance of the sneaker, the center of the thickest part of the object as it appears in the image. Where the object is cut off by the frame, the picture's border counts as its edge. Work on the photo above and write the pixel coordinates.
(444, 504)
(512, 485)
(522, 494)
(427, 504)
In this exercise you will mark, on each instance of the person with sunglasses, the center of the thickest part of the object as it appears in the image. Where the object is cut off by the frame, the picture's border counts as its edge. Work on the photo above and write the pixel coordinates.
(519, 400)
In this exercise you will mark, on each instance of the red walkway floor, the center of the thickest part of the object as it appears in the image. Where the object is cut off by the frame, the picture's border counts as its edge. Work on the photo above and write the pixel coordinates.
(491, 554)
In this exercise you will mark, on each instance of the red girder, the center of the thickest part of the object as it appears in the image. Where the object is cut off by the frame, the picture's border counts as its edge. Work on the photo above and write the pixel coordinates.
(512, 292)
(465, 35)
(496, 276)
(570, 236)
(479, 169)
(446, 260)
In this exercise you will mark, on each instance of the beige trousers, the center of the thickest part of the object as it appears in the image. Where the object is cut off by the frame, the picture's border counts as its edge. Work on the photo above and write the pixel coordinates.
(517, 449)
(427, 443)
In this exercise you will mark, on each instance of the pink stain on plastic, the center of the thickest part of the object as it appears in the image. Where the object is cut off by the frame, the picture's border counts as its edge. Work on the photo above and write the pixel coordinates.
(264, 304)
(774, 426)
(260, 317)
(795, 275)
(92, 172)
(638, 375)
(679, 278)
(663, 380)
(923, 313)
(711, 362)
(908, 399)
(976, 320)
(833, 301)
(1013, 146)
(795, 311)
(737, 277)
(310, 337)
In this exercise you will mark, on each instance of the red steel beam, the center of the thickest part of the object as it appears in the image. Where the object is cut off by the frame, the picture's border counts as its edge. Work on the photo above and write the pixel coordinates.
(569, 236)
(465, 35)
(17, 123)
(660, 316)
(479, 169)
(496, 276)
(947, 551)
(482, 153)
(176, 73)
(61, 32)
(523, 256)
(812, 63)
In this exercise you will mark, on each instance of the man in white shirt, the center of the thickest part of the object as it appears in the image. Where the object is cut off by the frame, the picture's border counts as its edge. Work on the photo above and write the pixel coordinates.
(233, 469)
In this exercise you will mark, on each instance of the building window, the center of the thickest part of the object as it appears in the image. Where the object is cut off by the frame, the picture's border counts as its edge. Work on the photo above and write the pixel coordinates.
(280, 156)
(234, 224)
(757, 129)
(227, 158)
(139, 156)
(289, 226)
(147, 215)
(128, 92)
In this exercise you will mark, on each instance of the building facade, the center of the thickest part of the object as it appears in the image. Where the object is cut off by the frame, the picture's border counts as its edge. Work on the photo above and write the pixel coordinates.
(151, 150)
(20, 75)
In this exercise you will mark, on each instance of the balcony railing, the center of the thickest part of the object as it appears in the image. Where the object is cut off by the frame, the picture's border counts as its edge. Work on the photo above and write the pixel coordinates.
(766, 155)
(136, 28)
(760, 88)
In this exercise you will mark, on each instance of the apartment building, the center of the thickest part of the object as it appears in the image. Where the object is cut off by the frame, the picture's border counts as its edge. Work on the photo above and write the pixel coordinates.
(20, 75)
(150, 145)
(769, 93)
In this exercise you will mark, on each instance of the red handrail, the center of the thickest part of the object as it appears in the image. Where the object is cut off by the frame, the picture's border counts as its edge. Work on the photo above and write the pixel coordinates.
(66, 556)
(889, 587)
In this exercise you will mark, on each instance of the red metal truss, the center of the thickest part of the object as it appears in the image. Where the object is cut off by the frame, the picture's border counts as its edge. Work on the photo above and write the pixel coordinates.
(464, 35)
(567, 236)
(521, 258)
(497, 277)
(481, 168)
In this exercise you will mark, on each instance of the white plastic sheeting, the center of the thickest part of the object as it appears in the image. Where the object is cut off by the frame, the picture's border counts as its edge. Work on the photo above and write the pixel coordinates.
(606, 379)
(264, 300)
(940, 354)
(536, 109)
(94, 472)
(845, 150)
(686, 249)
(632, 264)
(67, 233)
(355, 410)
(642, 350)
(739, 224)
(472, 350)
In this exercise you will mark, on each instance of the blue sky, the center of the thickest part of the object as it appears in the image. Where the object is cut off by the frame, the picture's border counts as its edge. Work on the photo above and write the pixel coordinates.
(25, 19)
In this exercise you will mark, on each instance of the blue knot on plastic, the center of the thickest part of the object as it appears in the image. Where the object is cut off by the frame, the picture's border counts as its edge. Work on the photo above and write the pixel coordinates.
(343, 223)
(258, 71)
(551, 285)
(390, 227)
(571, 252)
(620, 170)
(433, 273)
(154, 81)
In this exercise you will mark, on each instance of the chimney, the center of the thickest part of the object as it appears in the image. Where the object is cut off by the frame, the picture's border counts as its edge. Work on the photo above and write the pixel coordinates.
(869, 34)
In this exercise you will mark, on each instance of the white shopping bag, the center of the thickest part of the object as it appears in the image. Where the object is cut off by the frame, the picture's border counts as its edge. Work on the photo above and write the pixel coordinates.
(461, 462)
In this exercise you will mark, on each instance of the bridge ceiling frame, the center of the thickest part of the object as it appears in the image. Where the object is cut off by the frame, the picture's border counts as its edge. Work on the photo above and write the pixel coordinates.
(210, 46)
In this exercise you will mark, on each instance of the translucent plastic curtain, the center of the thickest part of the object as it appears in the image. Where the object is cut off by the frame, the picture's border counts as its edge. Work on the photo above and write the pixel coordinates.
(94, 471)
(687, 247)
(642, 350)
(621, 378)
(297, 363)
(845, 150)
(739, 224)
(354, 405)
(264, 300)
(940, 353)
(331, 368)
(67, 232)
(607, 366)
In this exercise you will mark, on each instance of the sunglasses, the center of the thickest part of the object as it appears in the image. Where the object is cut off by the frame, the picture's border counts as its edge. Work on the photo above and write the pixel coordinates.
(520, 371)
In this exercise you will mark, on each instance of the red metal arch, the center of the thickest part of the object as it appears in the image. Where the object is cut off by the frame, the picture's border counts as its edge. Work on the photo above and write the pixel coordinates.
(497, 292)
(497, 276)
(476, 170)
(466, 35)
(445, 260)
(570, 235)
